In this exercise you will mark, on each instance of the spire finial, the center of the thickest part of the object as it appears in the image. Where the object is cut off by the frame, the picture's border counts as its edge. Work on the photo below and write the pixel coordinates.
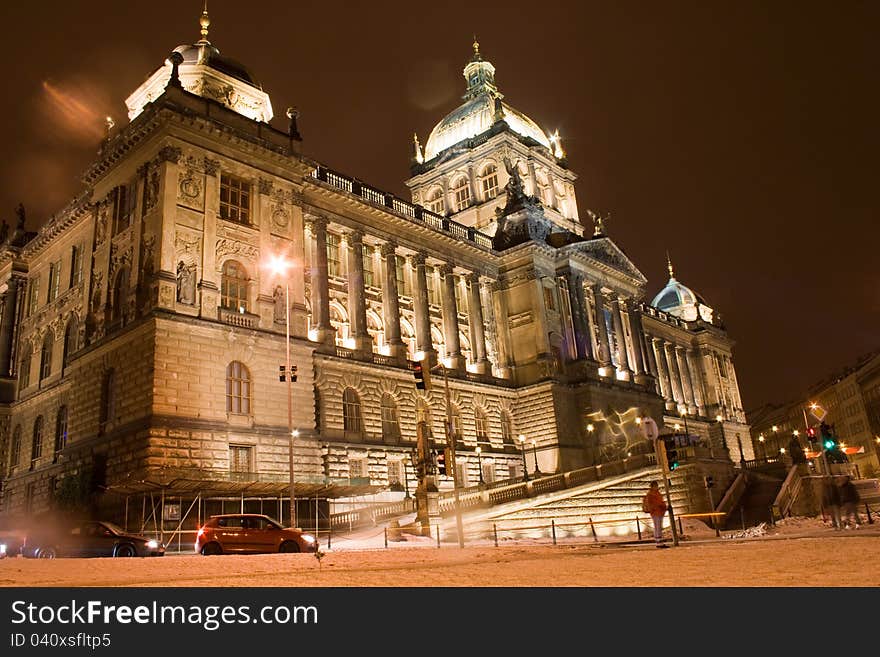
(476, 45)
(669, 265)
(204, 23)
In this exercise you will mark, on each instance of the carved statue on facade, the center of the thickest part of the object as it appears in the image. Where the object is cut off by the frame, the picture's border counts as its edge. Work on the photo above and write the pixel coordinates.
(280, 309)
(186, 283)
(514, 187)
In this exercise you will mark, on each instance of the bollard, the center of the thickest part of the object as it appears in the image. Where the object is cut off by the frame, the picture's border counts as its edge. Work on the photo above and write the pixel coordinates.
(438, 536)
(715, 525)
(742, 517)
(495, 531)
(553, 529)
(386, 537)
(593, 529)
(639, 527)
(868, 511)
(329, 535)
(680, 529)
(772, 518)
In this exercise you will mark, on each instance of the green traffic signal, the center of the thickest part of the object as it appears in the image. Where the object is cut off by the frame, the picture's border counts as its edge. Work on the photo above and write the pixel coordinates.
(829, 443)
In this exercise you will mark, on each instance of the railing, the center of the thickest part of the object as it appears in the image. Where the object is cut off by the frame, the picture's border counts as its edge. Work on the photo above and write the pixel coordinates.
(235, 318)
(733, 494)
(789, 492)
(413, 212)
(370, 515)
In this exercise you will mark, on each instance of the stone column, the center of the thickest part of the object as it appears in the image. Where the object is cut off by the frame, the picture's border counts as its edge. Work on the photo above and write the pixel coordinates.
(639, 366)
(674, 372)
(499, 301)
(686, 387)
(604, 348)
(533, 179)
(357, 301)
(420, 305)
(472, 182)
(390, 302)
(475, 319)
(696, 381)
(450, 320)
(622, 355)
(663, 373)
(325, 333)
(578, 315)
(7, 325)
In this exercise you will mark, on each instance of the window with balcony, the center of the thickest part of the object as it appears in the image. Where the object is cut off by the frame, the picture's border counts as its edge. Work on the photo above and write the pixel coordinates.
(234, 287)
(238, 389)
(507, 430)
(435, 201)
(462, 191)
(481, 424)
(235, 199)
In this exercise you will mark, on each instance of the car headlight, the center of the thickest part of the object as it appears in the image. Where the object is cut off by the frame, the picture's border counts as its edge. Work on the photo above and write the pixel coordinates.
(308, 538)
(2, 548)
(152, 544)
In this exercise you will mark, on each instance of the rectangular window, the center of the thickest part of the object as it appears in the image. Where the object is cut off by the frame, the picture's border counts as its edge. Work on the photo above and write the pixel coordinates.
(333, 265)
(433, 291)
(488, 473)
(367, 256)
(241, 459)
(462, 474)
(123, 206)
(235, 199)
(400, 271)
(395, 472)
(54, 280)
(33, 295)
(549, 298)
(24, 372)
(357, 468)
(76, 265)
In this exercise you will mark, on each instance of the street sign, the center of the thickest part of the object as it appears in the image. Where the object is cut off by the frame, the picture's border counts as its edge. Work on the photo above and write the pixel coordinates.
(649, 428)
(818, 412)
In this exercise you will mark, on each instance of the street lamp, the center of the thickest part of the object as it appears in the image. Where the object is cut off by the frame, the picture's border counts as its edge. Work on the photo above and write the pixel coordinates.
(522, 446)
(763, 452)
(535, 454)
(480, 463)
(279, 266)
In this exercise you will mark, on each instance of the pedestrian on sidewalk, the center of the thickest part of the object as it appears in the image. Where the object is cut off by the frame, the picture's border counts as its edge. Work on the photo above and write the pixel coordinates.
(831, 500)
(654, 505)
(849, 503)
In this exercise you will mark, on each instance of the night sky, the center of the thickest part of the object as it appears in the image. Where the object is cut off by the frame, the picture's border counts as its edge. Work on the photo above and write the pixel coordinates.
(742, 136)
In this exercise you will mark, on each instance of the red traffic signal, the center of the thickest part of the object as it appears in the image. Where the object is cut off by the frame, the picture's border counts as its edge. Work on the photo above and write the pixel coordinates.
(811, 432)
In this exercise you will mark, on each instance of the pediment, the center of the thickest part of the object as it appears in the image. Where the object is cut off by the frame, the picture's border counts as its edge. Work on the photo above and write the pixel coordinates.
(605, 251)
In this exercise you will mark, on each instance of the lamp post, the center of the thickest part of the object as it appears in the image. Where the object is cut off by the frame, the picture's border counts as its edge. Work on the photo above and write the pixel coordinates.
(535, 454)
(280, 266)
(761, 442)
(720, 420)
(522, 446)
(775, 431)
(480, 464)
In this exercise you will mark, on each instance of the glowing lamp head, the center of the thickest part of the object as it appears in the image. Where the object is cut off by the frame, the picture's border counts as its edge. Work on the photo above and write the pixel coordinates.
(591, 428)
(718, 418)
(279, 265)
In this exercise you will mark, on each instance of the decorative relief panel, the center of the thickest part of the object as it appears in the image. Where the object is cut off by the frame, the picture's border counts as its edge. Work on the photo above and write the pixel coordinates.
(227, 247)
(191, 184)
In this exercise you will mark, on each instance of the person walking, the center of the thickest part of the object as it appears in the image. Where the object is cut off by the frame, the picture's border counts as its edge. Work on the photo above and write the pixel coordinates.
(654, 505)
(849, 503)
(831, 500)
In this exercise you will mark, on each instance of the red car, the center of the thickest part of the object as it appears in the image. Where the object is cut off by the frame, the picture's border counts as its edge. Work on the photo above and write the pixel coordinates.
(250, 533)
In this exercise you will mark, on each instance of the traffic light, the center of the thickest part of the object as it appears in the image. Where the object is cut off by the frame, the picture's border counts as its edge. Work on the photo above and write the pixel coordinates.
(829, 442)
(441, 462)
(671, 452)
(422, 375)
(281, 370)
(293, 373)
(811, 433)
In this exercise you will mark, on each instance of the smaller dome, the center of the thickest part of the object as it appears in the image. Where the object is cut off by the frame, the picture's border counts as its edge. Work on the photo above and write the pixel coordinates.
(681, 301)
(208, 55)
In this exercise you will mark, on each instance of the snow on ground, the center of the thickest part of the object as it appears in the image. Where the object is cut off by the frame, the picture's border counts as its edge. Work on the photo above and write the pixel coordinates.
(794, 552)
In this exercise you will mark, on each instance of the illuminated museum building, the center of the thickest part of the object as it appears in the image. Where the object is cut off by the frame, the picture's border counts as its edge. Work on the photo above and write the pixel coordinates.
(142, 331)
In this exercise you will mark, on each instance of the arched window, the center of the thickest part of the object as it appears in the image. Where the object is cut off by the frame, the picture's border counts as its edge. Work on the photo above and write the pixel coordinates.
(481, 422)
(506, 428)
(37, 445)
(390, 419)
(46, 355)
(61, 430)
(435, 201)
(351, 411)
(70, 341)
(462, 191)
(120, 294)
(423, 416)
(233, 287)
(15, 449)
(238, 389)
(489, 181)
(108, 400)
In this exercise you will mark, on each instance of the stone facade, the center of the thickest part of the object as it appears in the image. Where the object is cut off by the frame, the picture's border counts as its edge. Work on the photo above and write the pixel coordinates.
(144, 315)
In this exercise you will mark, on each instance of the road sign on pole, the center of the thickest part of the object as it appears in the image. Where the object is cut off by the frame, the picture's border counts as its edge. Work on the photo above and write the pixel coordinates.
(649, 428)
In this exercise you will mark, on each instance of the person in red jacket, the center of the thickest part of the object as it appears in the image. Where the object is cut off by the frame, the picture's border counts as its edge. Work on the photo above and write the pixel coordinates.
(653, 504)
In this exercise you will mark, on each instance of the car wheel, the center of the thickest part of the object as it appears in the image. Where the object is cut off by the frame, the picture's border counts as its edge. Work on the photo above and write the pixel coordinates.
(289, 546)
(125, 551)
(46, 553)
(212, 548)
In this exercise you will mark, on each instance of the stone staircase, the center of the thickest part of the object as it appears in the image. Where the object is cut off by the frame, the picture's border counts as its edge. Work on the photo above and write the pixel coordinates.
(754, 506)
(610, 507)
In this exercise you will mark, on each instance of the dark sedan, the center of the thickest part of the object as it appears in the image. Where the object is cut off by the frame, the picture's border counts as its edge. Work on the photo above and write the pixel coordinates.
(90, 539)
